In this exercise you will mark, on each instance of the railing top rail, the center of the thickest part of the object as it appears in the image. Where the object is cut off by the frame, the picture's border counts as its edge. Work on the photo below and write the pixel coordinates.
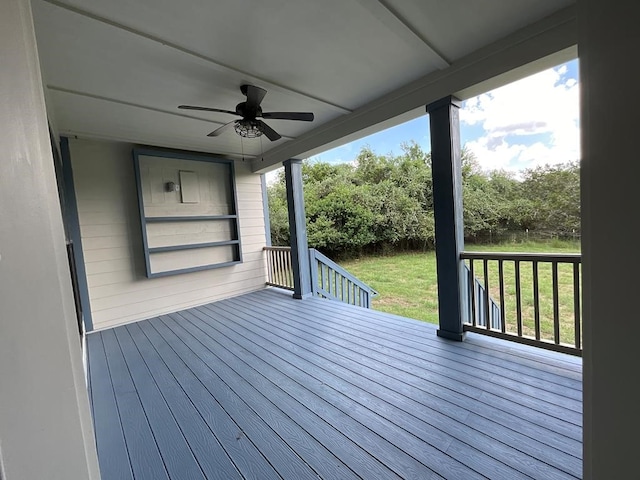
(330, 263)
(276, 248)
(527, 257)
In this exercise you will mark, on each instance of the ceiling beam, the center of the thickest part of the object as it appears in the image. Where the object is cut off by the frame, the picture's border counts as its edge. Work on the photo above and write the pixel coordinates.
(264, 82)
(401, 26)
(542, 39)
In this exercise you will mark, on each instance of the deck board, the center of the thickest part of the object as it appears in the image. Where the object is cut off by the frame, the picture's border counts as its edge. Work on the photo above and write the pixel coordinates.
(264, 386)
(110, 439)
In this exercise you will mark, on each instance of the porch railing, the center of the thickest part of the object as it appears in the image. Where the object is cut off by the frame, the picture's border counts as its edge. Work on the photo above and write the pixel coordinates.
(279, 267)
(328, 279)
(529, 298)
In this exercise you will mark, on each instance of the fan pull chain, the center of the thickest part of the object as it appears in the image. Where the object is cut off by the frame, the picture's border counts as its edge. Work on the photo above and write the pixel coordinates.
(261, 149)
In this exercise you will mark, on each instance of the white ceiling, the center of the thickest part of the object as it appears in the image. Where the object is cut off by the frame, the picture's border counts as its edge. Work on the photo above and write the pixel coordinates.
(118, 69)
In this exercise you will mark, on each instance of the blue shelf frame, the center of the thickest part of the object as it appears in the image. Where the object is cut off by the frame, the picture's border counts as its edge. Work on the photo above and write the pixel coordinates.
(148, 251)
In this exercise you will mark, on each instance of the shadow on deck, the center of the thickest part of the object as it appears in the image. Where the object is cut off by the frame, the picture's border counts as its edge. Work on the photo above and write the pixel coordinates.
(263, 386)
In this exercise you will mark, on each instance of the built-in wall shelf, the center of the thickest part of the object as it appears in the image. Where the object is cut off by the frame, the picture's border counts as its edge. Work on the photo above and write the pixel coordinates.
(188, 212)
(192, 246)
(189, 218)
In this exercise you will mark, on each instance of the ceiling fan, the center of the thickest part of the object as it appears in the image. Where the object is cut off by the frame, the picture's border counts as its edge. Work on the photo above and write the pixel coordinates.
(250, 125)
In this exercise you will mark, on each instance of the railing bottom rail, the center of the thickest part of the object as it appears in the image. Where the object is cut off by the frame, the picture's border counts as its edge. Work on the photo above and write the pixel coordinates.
(568, 349)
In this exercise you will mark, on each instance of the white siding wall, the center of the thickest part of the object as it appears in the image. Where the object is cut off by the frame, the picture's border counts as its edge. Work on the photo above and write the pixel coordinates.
(109, 223)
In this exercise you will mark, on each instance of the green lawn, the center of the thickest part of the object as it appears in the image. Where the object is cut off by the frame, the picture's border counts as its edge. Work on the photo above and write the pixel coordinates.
(407, 283)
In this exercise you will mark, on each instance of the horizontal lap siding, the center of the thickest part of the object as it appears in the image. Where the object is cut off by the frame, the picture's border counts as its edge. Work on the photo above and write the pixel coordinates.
(112, 244)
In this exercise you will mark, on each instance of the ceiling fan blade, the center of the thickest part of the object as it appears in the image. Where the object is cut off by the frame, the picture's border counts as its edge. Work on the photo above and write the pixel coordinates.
(268, 131)
(206, 109)
(254, 95)
(221, 129)
(302, 116)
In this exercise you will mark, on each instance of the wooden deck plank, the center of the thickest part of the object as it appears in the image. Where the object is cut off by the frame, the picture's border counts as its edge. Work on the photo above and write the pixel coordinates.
(549, 366)
(263, 386)
(502, 450)
(456, 385)
(307, 447)
(110, 443)
(244, 454)
(319, 426)
(508, 436)
(212, 459)
(475, 355)
(343, 413)
(344, 329)
(543, 362)
(176, 454)
(146, 461)
(210, 393)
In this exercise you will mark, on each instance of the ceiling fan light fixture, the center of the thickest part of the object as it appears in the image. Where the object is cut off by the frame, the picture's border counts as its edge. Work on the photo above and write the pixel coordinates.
(247, 128)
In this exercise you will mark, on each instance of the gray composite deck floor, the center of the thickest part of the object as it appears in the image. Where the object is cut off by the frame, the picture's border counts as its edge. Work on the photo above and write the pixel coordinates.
(263, 386)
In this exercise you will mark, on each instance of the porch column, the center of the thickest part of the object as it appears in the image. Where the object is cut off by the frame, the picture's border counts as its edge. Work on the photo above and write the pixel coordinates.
(608, 36)
(447, 208)
(297, 229)
(45, 419)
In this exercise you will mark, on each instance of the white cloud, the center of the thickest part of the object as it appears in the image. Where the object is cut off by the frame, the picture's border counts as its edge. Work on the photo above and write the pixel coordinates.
(545, 104)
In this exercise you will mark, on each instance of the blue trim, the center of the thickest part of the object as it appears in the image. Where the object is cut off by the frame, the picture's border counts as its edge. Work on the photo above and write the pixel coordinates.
(73, 228)
(194, 269)
(447, 211)
(143, 220)
(234, 194)
(298, 229)
(189, 219)
(192, 246)
(265, 210)
(181, 155)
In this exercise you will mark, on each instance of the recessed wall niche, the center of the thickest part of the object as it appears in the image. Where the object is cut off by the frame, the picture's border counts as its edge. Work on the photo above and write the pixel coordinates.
(188, 211)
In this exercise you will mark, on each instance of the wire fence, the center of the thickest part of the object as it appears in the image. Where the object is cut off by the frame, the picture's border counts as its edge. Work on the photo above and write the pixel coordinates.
(522, 236)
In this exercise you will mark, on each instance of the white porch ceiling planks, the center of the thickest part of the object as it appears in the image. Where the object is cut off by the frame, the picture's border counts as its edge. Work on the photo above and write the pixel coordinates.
(119, 69)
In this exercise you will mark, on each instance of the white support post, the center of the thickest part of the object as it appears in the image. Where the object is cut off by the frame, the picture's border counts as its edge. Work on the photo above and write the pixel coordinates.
(608, 41)
(45, 420)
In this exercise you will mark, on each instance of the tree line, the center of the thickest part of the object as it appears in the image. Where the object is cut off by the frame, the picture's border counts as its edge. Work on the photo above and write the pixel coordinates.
(382, 203)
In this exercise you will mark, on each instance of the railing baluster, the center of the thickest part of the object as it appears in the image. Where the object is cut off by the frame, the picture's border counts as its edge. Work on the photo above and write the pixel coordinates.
(556, 304)
(277, 267)
(501, 280)
(536, 300)
(516, 267)
(283, 269)
(290, 267)
(576, 304)
(269, 267)
(472, 281)
(487, 305)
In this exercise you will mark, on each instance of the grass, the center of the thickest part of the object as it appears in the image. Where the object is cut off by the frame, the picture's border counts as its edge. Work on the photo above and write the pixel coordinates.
(407, 283)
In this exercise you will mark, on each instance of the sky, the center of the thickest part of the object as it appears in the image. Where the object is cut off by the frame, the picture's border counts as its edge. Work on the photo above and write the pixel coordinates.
(528, 123)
